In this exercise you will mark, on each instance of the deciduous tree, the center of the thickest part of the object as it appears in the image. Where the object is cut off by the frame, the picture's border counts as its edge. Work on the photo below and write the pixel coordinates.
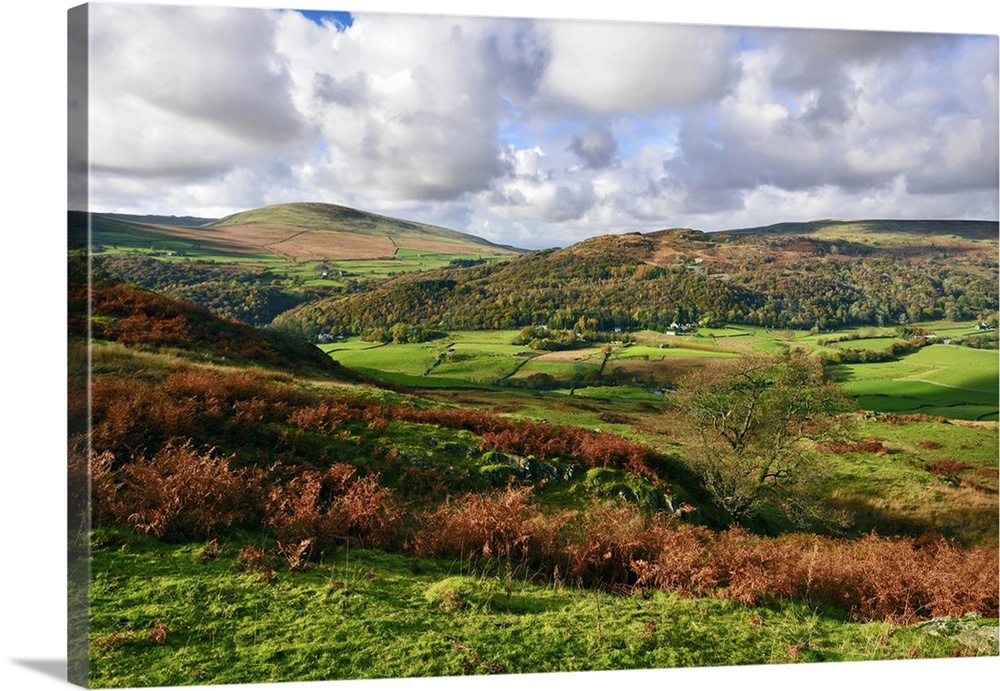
(753, 420)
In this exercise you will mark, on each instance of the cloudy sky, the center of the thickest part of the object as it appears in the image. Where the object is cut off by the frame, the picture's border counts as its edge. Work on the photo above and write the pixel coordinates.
(536, 132)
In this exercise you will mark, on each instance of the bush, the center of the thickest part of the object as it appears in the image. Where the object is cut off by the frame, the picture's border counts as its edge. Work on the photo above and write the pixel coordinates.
(490, 525)
(179, 494)
(333, 507)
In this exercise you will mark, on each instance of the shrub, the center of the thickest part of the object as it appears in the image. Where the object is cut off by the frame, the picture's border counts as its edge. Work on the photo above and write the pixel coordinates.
(329, 508)
(181, 494)
(609, 540)
(490, 525)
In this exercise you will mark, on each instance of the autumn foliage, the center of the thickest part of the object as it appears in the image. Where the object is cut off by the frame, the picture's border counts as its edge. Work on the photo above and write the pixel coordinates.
(191, 453)
(620, 548)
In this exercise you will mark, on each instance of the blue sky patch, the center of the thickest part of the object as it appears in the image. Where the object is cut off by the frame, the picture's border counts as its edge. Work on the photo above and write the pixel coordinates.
(341, 20)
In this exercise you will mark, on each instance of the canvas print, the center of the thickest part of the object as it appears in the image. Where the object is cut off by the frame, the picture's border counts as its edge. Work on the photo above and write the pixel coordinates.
(409, 345)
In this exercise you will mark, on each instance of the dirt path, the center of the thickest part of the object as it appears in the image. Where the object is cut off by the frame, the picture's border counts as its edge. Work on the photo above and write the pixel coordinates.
(947, 386)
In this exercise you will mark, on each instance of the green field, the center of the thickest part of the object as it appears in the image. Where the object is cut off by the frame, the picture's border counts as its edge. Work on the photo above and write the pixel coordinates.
(946, 380)
(678, 351)
(411, 358)
(867, 343)
(489, 357)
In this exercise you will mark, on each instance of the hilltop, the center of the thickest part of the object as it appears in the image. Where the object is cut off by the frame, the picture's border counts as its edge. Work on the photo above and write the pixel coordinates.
(297, 231)
(313, 230)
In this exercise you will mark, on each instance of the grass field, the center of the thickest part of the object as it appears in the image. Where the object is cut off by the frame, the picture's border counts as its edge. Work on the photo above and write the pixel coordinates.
(489, 357)
(947, 380)
(678, 351)
(915, 471)
(169, 615)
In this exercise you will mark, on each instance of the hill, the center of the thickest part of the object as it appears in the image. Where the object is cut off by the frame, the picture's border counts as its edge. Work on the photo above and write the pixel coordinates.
(152, 219)
(254, 265)
(301, 231)
(317, 227)
(648, 281)
(881, 231)
(130, 316)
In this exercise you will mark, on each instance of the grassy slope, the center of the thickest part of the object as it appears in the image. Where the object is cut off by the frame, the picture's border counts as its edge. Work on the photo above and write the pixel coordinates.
(281, 232)
(367, 614)
(947, 380)
(330, 217)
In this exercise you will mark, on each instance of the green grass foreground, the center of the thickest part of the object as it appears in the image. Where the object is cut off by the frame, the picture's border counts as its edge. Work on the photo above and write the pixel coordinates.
(173, 615)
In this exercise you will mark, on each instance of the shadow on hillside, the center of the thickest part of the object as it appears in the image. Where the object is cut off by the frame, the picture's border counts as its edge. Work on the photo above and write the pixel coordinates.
(970, 526)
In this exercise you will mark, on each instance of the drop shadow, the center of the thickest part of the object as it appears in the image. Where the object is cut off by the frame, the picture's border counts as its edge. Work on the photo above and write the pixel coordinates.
(57, 669)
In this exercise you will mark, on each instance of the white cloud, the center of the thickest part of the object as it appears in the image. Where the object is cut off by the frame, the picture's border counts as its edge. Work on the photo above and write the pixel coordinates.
(537, 131)
(408, 107)
(613, 67)
(186, 92)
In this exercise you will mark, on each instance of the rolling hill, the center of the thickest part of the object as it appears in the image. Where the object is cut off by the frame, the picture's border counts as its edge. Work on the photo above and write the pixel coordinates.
(298, 231)
(878, 232)
(109, 312)
(647, 281)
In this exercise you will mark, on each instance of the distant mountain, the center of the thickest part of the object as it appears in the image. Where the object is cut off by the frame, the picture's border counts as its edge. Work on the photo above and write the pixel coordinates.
(880, 231)
(293, 231)
(633, 281)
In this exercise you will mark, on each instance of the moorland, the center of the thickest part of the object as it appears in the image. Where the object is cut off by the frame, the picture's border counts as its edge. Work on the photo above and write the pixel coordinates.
(308, 442)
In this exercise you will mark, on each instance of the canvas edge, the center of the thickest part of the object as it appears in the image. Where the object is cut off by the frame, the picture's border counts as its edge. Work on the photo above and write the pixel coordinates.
(78, 356)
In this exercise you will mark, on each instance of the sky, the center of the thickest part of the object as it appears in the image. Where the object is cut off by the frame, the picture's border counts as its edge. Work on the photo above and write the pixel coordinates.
(536, 132)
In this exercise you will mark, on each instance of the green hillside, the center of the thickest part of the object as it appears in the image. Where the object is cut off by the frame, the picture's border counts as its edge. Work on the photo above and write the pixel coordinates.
(302, 231)
(332, 218)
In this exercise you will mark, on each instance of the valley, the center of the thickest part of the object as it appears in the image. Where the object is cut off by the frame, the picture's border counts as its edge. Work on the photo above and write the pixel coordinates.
(307, 430)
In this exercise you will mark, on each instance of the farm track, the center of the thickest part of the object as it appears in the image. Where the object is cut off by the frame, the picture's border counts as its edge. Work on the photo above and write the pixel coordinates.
(948, 386)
